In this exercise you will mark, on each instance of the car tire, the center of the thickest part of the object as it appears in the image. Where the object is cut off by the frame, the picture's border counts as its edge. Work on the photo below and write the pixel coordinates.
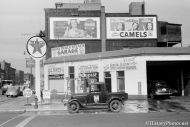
(115, 106)
(73, 107)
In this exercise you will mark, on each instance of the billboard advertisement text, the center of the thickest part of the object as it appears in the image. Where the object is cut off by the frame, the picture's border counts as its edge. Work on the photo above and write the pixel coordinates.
(131, 28)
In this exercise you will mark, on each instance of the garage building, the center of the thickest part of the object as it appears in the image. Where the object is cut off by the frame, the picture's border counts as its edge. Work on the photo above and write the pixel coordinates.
(128, 70)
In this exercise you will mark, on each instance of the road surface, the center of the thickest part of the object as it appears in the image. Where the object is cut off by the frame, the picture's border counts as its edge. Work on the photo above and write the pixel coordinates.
(61, 119)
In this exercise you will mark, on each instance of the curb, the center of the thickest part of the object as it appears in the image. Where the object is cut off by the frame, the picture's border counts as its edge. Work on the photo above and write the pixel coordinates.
(12, 110)
(33, 110)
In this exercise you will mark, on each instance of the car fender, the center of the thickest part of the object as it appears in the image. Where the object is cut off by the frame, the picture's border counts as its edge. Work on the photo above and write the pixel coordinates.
(115, 98)
(76, 101)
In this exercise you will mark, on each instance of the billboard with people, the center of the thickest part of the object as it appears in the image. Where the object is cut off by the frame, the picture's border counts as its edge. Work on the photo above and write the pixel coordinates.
(131, 27)
(74, 28)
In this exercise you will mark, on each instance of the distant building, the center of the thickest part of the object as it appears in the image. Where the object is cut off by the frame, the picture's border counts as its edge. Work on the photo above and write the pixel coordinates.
(19, 77)
(29, 78)
(5, 67)
(9, 73)
(137, 8)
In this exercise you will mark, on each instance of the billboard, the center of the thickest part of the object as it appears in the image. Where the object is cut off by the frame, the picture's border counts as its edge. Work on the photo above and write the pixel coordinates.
(74, 28)
(68, 50)
(131, 27)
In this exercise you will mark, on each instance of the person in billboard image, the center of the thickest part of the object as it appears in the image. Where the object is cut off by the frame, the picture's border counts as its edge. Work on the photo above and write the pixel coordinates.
(135, 26)
(119, 27)
(73, 31)
(149, 28)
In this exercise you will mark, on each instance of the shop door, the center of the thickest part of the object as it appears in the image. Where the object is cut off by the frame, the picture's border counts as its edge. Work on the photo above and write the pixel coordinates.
(107, 79)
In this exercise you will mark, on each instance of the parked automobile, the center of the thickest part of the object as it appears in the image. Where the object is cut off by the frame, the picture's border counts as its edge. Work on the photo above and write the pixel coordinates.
(22, 89)
(97, 97)
(159, 89)
(13, 91)
(5, 84)
(175, 92)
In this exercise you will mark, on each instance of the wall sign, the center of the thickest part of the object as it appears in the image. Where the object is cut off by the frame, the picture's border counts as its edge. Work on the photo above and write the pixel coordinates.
(88, 68)
(55, 69)
(74, 28)
(131, 27)
(54, 77)
(125, 64)
(68, 50)
(89, 75)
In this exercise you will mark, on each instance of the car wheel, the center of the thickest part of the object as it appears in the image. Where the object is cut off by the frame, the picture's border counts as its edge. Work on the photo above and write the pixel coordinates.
(115, 105)
(73, 107)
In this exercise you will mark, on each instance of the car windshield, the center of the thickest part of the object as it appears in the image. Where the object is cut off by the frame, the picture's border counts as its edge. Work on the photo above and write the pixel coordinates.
(12, 88)
(160, 85)
(7, 82)
(95, 88)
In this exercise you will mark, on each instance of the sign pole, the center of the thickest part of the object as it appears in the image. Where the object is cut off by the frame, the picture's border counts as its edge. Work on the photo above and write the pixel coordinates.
(37, 79)
(37, 47)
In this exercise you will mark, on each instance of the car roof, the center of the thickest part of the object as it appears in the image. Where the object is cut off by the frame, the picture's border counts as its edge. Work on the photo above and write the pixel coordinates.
(161, 81)
(96, 83)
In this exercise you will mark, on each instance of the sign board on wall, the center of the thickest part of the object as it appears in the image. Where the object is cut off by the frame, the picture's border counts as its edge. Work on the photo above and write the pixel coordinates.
(74, 28)
(88, 68)
(55, 71)
(68, 50)
(55, 77)
(125, 64)
(131, 27)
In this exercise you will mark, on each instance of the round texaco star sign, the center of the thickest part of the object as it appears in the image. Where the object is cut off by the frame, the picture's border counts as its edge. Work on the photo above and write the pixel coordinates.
(36, 47)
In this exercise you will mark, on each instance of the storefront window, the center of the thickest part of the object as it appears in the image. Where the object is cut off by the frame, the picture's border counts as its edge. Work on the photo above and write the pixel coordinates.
(88, 78)
(120, 81)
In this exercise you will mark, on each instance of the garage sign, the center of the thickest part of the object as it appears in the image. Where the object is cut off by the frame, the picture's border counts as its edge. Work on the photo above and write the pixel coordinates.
(36, 47)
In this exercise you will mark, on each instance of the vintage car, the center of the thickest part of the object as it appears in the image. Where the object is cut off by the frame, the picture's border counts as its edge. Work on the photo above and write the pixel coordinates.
(159, 88)
(5, 84)
(13, 91)
(97, 97)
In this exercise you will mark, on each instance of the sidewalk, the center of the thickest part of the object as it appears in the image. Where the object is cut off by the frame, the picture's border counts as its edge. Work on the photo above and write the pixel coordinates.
(20, 104)
(130, 106)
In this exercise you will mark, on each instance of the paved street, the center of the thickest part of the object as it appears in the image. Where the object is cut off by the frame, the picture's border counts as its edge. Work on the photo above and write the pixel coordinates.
(143, 113)
(59, 119)
(135, 113)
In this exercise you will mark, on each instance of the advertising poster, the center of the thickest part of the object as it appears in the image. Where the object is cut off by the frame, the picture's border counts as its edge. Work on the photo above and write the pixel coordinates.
(55, 72)
(131, 27)
(74, 28)
(68, 50)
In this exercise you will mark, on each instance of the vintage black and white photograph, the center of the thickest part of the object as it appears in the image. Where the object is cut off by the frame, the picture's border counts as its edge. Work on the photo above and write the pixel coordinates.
(94, 63)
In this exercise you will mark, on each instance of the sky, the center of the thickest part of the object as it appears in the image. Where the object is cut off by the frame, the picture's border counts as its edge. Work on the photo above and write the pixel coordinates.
(21, 19)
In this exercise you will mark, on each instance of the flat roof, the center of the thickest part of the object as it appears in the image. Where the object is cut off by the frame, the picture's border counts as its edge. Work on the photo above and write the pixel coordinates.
(122, 53)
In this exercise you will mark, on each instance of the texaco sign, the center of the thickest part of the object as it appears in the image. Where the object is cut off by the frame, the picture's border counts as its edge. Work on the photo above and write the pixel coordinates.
(36, 47)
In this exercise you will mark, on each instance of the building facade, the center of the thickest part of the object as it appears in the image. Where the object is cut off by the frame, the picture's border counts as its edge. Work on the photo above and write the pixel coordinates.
(128, 70)
(86, 44)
